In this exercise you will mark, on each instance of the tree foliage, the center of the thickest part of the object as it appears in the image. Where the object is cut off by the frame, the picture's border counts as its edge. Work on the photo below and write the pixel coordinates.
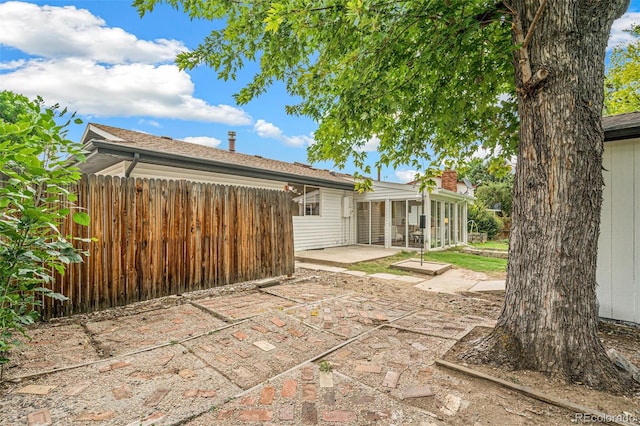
(482, 220)
(494, 183)
(481, 171)
(33, 185)
(496, 195)
(622, 85)
(363, 69)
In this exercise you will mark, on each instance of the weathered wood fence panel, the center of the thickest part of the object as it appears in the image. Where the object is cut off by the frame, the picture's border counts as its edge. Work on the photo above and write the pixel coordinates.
(157, 238)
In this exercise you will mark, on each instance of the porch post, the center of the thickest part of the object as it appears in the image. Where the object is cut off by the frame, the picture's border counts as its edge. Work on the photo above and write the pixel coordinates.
(426, 208)
(456, 225)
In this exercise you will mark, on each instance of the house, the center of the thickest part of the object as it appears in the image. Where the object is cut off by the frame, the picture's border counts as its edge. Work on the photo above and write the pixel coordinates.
(326, 210)
(390, 215)
(618, 272)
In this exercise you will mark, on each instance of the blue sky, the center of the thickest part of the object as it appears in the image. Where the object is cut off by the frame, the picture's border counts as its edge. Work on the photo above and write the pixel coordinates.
(100, 59)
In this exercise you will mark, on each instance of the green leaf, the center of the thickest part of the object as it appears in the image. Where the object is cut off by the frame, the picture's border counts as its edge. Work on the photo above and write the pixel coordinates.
(81, 218)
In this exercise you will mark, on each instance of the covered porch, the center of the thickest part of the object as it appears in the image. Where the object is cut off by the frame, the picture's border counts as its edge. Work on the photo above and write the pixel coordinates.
(399, 216)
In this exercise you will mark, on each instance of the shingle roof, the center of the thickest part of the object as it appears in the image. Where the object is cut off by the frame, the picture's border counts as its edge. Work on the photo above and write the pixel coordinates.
(621, 126)
(166, 145)
(630, 119)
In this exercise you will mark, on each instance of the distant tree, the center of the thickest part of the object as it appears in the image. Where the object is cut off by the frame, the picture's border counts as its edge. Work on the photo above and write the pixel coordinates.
(494, 183)
(480, 171)
(35, 177)
(482, 220)
(622, 84)
(495, 194)
(430, 79)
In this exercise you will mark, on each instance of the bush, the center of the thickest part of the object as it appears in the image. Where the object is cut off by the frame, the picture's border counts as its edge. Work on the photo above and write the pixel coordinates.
(495, 195)
(33, 183)
(485, 220)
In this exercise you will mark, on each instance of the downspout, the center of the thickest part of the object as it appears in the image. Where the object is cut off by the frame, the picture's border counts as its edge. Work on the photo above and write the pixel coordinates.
(136, 158)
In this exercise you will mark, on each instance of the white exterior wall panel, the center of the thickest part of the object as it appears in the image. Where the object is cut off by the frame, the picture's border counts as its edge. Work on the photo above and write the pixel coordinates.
(618, 272)
(330, 229)
(152, 171)
(118, 169)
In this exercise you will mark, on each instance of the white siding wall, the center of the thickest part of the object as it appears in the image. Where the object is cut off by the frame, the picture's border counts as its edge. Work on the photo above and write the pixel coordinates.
(118, 169)
(618, 272)
(151, 171)
(330, 229)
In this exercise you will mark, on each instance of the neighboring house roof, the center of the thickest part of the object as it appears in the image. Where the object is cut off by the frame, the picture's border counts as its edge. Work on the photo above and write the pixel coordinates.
(621, 126)
(109, 145)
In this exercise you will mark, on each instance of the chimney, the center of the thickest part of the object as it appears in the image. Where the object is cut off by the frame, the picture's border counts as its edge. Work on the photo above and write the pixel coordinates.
(232, 141)
(379, 170)
(449, 180)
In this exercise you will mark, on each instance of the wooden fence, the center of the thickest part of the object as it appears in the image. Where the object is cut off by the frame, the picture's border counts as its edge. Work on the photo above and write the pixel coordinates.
(157, 238)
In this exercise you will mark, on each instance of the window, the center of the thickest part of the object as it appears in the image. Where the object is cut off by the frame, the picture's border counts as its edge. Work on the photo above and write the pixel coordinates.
(305, 200)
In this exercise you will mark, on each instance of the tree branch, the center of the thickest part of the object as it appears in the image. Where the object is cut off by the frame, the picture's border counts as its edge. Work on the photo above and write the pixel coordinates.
(523, 41)
(523, 61)
(536, 18)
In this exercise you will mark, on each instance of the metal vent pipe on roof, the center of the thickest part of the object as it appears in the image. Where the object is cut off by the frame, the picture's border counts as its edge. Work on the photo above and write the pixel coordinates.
(232, 141)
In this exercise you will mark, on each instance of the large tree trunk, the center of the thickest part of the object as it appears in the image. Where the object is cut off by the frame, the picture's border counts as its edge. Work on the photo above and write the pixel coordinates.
(550, 315)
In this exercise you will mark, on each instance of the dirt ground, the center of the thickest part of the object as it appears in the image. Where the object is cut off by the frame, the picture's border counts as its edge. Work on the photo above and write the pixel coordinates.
(319, 348)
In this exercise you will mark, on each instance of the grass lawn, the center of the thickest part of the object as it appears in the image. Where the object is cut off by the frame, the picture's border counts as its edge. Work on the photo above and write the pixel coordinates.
(454, 257)
(382, 265)
(468, 261)
(493, 245)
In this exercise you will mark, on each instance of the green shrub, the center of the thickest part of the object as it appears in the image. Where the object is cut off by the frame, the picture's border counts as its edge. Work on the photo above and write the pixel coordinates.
(34, 179)
(485, 220)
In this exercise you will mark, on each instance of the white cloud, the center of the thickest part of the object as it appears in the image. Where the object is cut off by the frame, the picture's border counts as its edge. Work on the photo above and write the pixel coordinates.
(60, 32)
(160, 91)
(482, 153)
(12, 65)
(618, 36)
(301, 140)
(203, 140)
(97, 70)
(406, 176)
(149, 122)
(371, 145)
(264, 129)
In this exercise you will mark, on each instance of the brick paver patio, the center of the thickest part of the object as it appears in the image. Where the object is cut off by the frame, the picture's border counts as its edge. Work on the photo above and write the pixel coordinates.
(247, 358)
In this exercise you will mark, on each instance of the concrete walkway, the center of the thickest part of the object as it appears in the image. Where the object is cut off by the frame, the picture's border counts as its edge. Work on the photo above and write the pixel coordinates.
(338, 259)
(451, 281)
(344, 255)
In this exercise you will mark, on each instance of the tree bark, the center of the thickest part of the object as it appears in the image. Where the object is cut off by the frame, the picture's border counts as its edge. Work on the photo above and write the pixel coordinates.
(550, 315)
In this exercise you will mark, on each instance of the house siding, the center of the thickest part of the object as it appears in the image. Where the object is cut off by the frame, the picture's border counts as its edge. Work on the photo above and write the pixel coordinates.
(118, 169)
(618, 272)
(330, 229)
(149, 171)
